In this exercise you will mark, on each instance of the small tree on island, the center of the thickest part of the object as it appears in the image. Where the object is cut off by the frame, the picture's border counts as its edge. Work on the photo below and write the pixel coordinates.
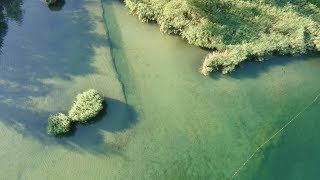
(58, 124)
(86, 106)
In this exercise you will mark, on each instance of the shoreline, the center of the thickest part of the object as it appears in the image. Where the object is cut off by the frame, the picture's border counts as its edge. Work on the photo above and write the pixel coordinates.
(263, 30)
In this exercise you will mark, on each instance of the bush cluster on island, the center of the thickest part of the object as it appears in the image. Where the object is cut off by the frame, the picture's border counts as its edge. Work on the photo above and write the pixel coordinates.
(86, 106)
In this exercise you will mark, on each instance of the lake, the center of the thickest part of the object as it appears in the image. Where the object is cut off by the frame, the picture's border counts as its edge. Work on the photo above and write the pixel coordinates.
(164, 120)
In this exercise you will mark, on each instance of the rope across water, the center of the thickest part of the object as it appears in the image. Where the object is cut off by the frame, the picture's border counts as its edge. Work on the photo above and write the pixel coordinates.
(275, 134)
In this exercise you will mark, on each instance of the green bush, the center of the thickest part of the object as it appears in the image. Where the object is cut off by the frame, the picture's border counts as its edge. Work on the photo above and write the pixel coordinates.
(237, 30)
(86, 106)
(58, 124)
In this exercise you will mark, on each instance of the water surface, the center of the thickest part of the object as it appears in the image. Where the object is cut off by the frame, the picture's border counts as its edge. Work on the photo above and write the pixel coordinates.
(164, 119)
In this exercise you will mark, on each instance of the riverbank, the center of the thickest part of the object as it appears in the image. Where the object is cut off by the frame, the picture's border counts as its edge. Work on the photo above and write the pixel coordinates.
(236, 30)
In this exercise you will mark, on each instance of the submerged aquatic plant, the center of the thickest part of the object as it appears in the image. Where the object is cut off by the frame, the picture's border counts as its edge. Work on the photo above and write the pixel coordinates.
(86, 106)
(58, 124)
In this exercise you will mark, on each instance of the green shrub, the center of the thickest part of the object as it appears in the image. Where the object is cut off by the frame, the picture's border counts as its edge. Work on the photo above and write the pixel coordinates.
(58, 124)
(86, 106)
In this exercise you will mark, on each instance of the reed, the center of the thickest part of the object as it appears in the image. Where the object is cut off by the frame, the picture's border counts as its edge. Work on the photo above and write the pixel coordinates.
(246, 30)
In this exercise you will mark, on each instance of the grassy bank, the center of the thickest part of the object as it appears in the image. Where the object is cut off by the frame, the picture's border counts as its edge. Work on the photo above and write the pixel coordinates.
(236, 30)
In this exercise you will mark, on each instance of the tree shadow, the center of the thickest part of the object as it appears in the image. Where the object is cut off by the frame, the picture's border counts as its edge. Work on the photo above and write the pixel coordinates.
(253, 69)
(44, 48)
(10, 10)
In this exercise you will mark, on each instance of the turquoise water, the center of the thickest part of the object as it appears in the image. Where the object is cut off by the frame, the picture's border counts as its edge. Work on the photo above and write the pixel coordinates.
(164, 120)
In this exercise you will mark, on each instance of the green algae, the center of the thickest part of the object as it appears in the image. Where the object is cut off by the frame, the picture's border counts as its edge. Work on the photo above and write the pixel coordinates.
(176, 124)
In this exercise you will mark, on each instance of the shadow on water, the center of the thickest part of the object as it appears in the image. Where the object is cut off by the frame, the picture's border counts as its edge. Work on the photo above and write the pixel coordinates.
(253, 69)
(115, 117)
(9, 10)
(59, 46)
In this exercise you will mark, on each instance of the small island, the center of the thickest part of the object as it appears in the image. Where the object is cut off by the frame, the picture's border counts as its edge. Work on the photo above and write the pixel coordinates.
(237, 30)
(86, 106)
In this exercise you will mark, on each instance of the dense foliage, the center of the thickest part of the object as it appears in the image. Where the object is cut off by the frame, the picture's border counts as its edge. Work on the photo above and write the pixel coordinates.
(86, 106)
(237, 30)
(58, 124)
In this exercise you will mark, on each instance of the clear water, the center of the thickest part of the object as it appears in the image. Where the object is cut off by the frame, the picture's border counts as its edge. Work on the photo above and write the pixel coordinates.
(164, 120)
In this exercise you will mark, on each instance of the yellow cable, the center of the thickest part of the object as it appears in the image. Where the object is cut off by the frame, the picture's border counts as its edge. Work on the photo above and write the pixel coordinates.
(295, 117)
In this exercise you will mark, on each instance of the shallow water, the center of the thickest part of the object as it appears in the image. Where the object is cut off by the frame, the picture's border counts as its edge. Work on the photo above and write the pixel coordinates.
(164, 119)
